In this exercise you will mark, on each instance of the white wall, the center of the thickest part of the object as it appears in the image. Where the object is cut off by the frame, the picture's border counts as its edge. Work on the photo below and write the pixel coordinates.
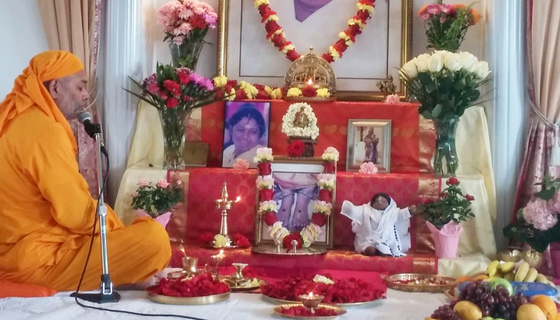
(21, 37)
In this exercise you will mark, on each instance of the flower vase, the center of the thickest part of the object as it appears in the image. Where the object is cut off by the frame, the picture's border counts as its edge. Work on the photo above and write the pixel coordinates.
(445, 161)
(163, 218)
(555, 258)
(446, 239)
(187, 53)
(173, 123)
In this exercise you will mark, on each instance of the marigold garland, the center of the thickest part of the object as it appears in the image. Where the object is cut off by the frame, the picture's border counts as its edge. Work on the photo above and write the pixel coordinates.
(276, 35)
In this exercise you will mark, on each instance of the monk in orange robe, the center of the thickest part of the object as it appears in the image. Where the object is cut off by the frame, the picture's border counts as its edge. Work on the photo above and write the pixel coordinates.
(46, 211)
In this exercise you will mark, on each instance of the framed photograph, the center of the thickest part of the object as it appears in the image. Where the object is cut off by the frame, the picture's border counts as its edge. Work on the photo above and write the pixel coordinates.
(245, 130)
(369, 141)
(295, 190)
(384, 46)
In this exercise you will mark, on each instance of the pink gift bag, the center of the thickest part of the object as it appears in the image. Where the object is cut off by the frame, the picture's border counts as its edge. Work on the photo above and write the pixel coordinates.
(163, 219)
(446, 240)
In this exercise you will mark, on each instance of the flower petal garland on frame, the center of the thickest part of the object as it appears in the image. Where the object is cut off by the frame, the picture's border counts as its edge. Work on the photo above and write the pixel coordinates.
(322, 206)
(330, 157)
(300, 121)
(263, 159)
(276, 35)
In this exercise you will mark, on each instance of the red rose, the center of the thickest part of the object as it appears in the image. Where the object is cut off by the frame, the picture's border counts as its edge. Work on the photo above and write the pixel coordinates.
(266, 194)
(327, 57)
(269, 218)
(469, 197)
(262, 95)
(319, 219)
(240, 94)
(241, 241)
(293, 55)
(287, 242)
(271, 27)
(264, 168)
(296, 148)
(325, 195)
(328, 167)
(206, 238)
(183, 76)
(453, 181)
(171, 103)
(309, 91)
(363, 15)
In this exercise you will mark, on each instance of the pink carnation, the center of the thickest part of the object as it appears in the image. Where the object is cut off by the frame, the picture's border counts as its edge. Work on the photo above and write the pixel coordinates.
(143, 183)
(241, 164)
(163, 184)
(368, 168)
(392, 98)
(538, 214)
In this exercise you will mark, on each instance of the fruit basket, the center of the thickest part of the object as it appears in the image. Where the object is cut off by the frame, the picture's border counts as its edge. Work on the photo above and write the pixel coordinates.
(419, 282)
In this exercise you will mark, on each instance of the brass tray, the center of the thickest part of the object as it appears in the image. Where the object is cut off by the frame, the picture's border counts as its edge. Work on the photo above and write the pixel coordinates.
(338, 310)
(310, 99)
(419, 282)
(273, 250)
(189, 300)
(236, 287)
(349, 304)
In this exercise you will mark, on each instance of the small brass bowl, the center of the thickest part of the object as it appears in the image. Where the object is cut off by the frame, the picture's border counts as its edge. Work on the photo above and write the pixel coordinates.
(511, 255)
(533, 258)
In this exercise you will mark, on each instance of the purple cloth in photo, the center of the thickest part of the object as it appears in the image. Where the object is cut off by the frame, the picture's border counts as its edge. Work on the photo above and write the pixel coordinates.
(305, 8)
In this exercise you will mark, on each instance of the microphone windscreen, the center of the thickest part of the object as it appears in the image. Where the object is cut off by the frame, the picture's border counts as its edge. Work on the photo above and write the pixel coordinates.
(84, 116)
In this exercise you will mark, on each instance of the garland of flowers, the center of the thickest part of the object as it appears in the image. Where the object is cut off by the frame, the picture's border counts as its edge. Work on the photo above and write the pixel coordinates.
(276, 35)
(300, 121)
(322, 207)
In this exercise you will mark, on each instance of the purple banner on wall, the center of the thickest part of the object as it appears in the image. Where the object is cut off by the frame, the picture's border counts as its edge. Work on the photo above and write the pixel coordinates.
(305, 8)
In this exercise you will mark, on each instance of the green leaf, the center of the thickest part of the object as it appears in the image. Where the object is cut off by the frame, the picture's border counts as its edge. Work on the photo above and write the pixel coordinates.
(437, 110)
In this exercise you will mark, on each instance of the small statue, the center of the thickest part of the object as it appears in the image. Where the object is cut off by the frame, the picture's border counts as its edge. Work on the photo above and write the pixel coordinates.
(381, 228)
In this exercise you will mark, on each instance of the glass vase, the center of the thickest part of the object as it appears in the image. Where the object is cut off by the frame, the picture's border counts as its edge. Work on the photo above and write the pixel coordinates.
(173, 124)
(186, 54)
(445, 160)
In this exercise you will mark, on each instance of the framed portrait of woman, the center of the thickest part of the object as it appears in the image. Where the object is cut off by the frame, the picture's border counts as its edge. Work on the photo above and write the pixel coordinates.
(245, 130)
(369, 141)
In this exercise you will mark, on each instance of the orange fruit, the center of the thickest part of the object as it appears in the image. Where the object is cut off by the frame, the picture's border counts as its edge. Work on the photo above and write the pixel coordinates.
(547, 305)
(462, 279)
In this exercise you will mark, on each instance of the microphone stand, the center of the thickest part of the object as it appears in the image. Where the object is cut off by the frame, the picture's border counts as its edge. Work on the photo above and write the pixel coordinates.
(107, 294)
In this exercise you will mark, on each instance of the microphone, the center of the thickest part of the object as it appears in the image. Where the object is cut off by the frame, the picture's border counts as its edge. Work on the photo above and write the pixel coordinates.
(90, 127)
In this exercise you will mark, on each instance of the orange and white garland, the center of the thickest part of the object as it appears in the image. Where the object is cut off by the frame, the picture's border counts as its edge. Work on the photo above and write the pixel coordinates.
(276, 35)
(322, 207)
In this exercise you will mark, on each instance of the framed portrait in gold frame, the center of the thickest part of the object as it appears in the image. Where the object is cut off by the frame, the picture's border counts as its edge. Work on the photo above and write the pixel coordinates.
(369, 140)
(295, 190)
(384, 46)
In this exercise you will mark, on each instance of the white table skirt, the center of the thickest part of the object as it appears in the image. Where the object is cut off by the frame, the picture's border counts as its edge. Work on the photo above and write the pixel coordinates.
(243, 306)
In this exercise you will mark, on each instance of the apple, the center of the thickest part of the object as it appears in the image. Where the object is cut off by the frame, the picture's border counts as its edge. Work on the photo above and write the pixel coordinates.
(504, 283)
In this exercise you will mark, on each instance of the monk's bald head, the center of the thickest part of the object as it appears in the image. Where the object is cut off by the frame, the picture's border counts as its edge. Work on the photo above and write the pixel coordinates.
(70, 93)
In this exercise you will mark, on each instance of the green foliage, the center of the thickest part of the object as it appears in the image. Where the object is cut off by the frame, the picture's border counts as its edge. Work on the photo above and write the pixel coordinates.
(451, 206)
(157, 199)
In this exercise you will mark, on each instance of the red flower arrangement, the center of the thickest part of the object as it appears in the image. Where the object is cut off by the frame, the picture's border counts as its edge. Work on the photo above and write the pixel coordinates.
(304, 312)
(275, 33)
(296, 148)
(349, 290)
(287, 242)
(325, 195)
(200, 285)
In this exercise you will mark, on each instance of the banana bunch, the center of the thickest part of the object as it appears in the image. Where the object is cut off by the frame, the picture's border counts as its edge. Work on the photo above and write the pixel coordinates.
(523, 272)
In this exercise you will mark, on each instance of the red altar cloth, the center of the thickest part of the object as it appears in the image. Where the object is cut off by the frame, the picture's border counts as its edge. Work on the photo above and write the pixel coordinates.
(205, 184)
(280, 266)
(332, 119)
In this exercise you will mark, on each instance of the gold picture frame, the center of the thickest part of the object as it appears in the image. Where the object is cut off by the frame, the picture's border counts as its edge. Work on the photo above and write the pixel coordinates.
(245, 54)
(299, 175)
(369, 140)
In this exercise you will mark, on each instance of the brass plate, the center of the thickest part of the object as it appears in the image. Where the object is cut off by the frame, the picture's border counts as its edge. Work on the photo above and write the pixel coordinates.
(419, 282)
(189, 300)
(339, 311)
(350, 304)
(310, 99)
(182, 274)
(236, 287)
(273, 250)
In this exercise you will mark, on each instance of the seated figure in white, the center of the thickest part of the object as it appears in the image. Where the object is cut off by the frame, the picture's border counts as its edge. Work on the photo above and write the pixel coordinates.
(381, 228)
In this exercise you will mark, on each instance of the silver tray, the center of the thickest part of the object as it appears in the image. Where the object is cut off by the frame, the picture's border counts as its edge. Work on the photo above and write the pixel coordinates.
(189, 300)
(419, 282)
(273, 250)
(338, 310)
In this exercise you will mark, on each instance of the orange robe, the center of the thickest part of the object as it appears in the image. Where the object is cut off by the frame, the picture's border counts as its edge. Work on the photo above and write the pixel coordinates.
(46, 211)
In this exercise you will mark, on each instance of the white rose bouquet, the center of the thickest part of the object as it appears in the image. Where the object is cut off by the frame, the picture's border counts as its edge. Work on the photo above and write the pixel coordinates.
(445, 83)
